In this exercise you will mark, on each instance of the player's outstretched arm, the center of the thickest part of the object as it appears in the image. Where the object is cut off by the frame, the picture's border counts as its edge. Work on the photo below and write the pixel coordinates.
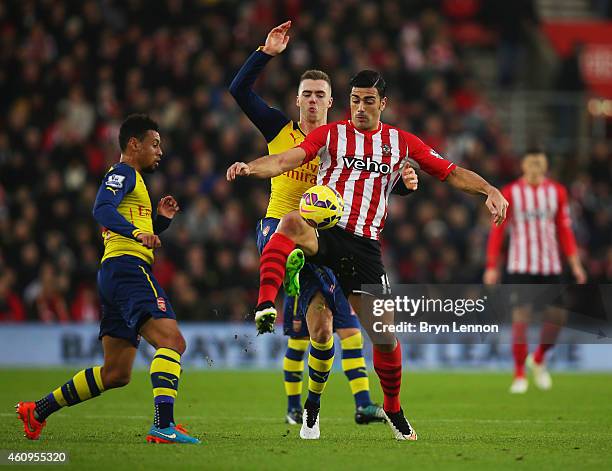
(277, 39)
(268, 120)
(471, 182)
(268, 166)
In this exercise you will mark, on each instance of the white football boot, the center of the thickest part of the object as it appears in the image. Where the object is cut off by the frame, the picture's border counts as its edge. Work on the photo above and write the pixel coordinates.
(519, 386)
(540, 373)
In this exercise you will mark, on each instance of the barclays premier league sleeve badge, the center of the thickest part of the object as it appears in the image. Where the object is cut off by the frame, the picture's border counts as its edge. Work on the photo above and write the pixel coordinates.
(115, 181)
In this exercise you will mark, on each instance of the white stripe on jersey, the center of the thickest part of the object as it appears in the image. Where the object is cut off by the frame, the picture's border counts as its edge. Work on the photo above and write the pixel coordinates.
(534, 247)
(325, 160)
(337, 168)
(381, 209)
(542, 222)
(553, 204)
(349, 186)
(534, 253)
(368, 187)
(521, 241)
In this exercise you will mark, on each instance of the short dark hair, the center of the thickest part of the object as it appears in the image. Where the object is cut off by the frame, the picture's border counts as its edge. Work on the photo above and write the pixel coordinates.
(314, 74)
(370, 79)
(135, 125)
(534, 149)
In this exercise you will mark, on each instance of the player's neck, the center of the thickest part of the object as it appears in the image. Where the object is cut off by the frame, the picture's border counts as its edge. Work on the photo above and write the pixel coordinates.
(535, 180)
(373, 128)
(308, 126)
(129, 160)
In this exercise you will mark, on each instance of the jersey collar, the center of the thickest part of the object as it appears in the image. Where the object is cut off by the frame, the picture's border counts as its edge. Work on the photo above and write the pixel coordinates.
(366, 133)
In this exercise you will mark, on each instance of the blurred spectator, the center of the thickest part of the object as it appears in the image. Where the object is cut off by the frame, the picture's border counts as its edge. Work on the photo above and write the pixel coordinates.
(86, 305)
(71, 71)
(11, 307)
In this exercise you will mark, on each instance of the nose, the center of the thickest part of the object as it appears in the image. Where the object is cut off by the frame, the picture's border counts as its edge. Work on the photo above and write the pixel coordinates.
(360, 106)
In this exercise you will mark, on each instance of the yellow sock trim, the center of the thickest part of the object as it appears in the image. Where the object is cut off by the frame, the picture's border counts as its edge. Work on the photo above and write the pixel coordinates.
(320, 365)
(359, 384)
(353, 363)
(298, 344)
(293, 389)
(97, 371)
(82, 388)
(164, 392)
(293, 365)
(316, 387)
(161, 365)
(169, 353)
(59, 397)
(352, 342)
(323, 346)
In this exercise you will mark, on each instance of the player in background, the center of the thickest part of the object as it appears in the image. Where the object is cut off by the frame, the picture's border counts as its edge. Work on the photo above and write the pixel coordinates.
(133, 302)
(281, 133)
(540, 228)
(362, 159)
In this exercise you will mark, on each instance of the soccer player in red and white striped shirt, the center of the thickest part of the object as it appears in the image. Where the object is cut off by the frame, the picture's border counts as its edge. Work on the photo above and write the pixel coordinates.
(362, 159)
(540, 229)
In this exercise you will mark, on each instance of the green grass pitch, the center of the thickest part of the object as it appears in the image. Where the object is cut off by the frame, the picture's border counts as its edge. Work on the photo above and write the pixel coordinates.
(464, 421)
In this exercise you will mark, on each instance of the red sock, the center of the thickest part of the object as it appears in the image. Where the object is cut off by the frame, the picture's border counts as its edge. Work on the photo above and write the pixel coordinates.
(519, 347)
(272, 266)
(548, 336)
(388, 367)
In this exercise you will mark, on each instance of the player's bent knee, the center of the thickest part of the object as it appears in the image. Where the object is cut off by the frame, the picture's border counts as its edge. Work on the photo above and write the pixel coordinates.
(346, 333)
(174, 341)
(321, 335)
(292, 225)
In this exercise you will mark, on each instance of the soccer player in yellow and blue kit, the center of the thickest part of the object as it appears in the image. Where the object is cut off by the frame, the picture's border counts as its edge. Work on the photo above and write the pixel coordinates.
(133, 302)
(320, 295)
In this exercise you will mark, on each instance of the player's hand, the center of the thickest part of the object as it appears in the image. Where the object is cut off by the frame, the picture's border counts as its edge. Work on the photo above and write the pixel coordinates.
(167, 207)
(491, 276)
(410, 177)
(497, 204)
(238, 169)
(277, 39)
(579, 274)
(150, 241)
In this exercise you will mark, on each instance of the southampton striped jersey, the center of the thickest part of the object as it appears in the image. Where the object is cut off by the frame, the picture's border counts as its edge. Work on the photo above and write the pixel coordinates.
(363, 166)
(539, 227)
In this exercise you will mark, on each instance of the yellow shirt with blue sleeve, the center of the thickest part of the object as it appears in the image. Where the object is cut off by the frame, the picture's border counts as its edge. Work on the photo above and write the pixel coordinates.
(280, 133)
(123, 209)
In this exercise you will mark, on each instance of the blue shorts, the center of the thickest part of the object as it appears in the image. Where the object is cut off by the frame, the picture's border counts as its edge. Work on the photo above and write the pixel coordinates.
(313, 279)
(130, 295)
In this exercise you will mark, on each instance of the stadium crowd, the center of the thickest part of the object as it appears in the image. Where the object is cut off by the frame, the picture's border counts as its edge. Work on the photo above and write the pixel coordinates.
(72, 71)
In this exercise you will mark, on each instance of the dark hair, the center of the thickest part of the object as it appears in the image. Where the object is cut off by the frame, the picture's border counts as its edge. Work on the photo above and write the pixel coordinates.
(314, 74)
(369, 79)
(534, 149)
(135, 125)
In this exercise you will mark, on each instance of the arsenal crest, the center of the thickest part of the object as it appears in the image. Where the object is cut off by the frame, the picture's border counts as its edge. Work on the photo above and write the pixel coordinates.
(265, 231)
(161, 304)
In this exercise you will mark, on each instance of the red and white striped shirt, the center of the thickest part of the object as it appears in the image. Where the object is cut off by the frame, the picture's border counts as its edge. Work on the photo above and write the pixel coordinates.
(363, 166)
(539, 222)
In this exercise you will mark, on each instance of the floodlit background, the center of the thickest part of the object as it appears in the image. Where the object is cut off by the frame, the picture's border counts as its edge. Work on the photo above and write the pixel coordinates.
(478, 80)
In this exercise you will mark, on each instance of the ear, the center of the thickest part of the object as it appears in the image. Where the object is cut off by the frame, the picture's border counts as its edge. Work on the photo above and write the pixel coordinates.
(297, 101)
(383, 103)
(331, 101)
(134, 144)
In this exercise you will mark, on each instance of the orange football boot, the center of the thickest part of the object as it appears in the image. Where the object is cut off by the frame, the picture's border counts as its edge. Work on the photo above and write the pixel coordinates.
(31, 426)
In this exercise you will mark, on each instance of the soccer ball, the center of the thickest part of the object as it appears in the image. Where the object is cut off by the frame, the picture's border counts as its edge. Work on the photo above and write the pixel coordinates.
(321, 207)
